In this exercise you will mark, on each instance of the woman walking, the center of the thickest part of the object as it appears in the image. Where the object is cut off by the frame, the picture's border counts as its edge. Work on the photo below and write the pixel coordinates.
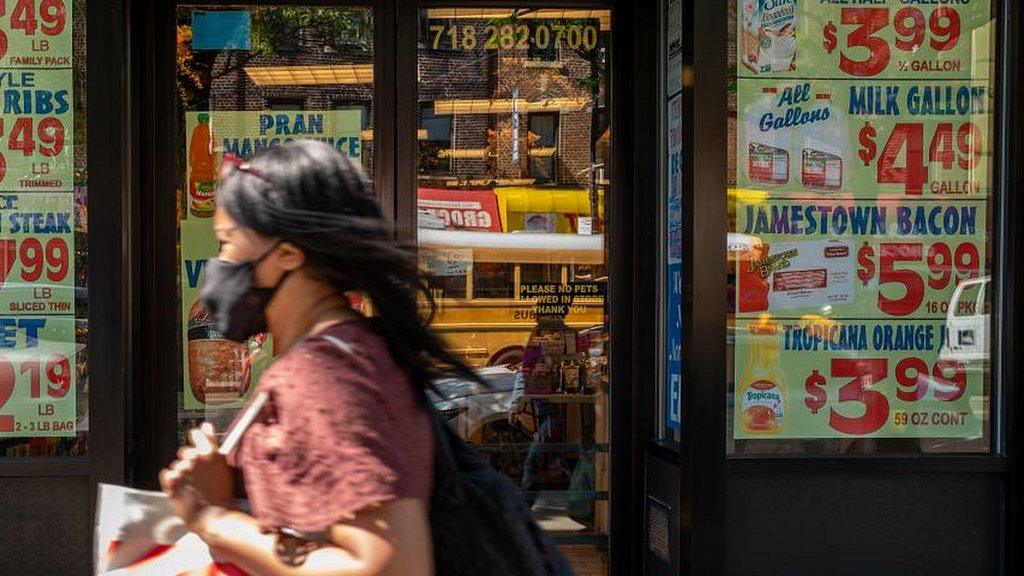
(337, 465)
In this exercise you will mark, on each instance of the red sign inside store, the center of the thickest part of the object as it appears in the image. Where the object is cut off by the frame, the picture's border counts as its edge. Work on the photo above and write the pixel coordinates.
(462, 209)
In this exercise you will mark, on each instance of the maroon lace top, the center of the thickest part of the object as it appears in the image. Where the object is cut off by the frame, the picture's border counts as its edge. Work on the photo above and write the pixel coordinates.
(342, 431)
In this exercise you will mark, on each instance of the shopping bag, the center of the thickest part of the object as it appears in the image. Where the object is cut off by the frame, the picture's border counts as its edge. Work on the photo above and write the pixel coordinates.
(138, 534)
(581, 489)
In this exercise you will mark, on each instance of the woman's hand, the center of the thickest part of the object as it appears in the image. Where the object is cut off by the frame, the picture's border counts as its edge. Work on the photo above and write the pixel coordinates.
(199, 479)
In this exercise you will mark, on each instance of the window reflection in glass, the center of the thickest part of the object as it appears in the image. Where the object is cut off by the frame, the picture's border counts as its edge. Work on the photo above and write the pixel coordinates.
(282, 72)
(514, 174)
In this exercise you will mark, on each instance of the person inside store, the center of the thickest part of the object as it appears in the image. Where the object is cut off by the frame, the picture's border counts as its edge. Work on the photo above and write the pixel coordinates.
(551, 345)
(337, 465)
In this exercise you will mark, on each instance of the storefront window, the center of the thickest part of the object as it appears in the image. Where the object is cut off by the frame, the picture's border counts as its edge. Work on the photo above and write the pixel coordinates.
(860, 198)
(513, 185)
(44, 376)
(251, 78)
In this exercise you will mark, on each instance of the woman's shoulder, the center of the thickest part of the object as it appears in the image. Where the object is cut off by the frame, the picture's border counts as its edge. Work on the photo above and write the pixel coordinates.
(348, 352)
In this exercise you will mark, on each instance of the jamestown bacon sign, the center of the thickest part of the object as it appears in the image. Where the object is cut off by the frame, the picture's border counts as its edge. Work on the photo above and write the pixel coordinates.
(462, 209)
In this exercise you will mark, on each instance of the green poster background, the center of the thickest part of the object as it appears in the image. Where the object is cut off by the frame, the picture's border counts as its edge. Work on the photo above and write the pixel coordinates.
(46, 415)
(52, 92)
(245, 133)
(839, 120)
(971, 56)
(926, 417)
(962, 231)
(50, 222)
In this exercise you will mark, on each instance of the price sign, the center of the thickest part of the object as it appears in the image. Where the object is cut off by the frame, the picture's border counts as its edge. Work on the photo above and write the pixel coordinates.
(37, 376)
(864, 147)
(35, 34)
(888, 39)
(37, 254)
(37, 131)
(858, 258)
(862, 378)
(880, 139)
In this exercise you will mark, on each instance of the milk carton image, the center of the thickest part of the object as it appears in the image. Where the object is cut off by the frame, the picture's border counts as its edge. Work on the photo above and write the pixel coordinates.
(768, 35)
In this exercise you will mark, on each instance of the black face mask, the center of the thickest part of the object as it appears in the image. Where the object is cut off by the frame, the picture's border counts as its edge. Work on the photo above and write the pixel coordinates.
(237, 307)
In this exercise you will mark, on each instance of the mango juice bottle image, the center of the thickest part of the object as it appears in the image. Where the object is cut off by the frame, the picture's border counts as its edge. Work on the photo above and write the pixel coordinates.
(202, 178)
(763, 389)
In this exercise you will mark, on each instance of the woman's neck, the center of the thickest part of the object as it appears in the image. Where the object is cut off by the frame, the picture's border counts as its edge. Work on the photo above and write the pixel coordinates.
(299, 323)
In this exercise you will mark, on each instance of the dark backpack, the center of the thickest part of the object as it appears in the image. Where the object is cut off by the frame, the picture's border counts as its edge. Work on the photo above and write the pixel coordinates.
(478, 520)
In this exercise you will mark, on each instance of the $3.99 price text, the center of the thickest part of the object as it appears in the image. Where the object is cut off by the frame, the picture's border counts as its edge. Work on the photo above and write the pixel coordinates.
(857, 378)
(944, 264)
(867, 54)
(57, 372)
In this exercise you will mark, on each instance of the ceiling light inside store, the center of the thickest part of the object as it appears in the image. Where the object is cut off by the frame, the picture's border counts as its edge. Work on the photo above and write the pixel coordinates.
(307, 75)
(421, 134)
(446, 107)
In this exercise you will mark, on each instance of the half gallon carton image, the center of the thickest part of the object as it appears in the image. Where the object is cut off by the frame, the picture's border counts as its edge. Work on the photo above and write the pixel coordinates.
(768, 35)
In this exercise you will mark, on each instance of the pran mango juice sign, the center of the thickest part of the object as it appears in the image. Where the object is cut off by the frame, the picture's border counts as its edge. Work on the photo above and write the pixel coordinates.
(219, 372)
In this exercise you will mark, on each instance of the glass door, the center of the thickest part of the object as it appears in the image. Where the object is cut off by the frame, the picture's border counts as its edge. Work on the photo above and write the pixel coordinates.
(513, 180)
(248, 78)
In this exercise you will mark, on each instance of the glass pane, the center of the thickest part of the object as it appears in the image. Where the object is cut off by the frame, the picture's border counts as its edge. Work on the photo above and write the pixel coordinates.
(251, 78)
(513, 180)
(44, 376)
(860, 190)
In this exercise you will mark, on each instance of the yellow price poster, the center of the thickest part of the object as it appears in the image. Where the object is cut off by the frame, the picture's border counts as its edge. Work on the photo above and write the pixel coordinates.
(35, 34)
(854, 379)
(37, 130)
(857, 258)
(886, 138)
(37, 257)
(37, 376)
(876, 39)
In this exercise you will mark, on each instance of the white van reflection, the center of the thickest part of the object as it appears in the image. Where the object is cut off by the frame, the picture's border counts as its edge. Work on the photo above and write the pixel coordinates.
(967, 323)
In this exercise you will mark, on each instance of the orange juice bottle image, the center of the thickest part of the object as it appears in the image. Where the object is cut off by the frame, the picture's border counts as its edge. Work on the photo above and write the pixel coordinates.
(763, 389)
(202, 177)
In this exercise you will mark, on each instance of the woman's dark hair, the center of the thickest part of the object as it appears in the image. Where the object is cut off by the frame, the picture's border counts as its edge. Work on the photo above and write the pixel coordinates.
(309, 195)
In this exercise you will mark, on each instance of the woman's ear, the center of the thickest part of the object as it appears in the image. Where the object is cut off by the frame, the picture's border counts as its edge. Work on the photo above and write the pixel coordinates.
(291, 257)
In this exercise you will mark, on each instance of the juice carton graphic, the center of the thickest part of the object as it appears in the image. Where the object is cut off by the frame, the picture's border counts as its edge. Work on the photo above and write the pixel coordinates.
(768, 35)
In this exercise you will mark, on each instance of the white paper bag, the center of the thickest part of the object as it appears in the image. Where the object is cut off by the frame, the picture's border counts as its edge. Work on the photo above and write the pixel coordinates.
(138, 534)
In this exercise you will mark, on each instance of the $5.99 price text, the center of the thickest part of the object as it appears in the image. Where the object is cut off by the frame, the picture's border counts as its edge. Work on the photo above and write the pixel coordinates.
(913, 266)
